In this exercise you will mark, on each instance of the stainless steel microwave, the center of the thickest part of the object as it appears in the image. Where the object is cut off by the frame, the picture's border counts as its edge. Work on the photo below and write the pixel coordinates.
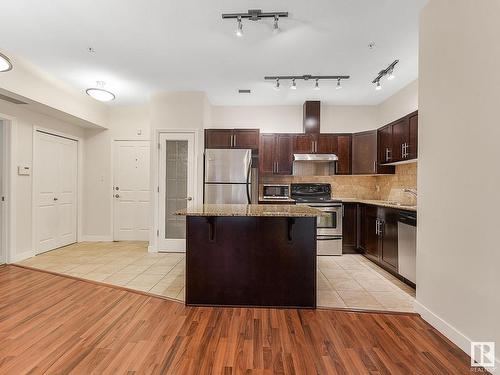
(273, 191)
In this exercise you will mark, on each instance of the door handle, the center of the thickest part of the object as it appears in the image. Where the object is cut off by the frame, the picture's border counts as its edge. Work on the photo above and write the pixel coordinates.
(189, 198)
(56, 199)
(117, 195)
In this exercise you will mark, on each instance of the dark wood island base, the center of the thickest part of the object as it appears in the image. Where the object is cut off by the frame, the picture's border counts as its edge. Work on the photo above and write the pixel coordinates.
(251, 261)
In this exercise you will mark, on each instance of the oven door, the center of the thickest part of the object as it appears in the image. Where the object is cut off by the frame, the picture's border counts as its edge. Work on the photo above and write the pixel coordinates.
(331, 222)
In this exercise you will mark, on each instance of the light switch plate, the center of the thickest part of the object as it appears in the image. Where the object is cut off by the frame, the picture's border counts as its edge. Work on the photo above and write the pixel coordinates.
(23, 170)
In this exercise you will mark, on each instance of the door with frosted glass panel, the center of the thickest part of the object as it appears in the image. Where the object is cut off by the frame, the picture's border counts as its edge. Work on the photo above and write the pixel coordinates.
(177, 188)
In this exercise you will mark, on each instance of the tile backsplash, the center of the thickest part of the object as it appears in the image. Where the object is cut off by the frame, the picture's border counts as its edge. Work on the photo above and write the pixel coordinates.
(387, 187)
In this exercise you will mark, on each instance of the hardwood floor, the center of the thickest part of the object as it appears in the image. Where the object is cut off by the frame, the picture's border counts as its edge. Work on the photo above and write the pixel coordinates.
(53, 324)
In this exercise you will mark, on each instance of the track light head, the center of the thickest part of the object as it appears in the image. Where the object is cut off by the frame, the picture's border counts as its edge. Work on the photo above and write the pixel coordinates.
(378, 87)
(339, 85)
(276, 26)
(294, 85)
(316, 85)
(239, 28)
(390, 74)
(277, 86)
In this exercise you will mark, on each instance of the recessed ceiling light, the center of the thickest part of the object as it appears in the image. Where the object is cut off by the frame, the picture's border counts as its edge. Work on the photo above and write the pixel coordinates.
(5, 64)
(98, 93)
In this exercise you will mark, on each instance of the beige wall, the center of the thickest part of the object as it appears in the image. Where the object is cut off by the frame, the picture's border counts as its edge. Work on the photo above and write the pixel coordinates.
(387, 187)
(398, 105)
(458, 253)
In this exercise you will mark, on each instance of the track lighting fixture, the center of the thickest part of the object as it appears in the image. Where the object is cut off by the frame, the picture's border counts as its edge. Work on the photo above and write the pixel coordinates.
(305, 77)
(239, 28)
(98, 93)
(5, 64)
(389, 72)
(254, 15)
(277, 86)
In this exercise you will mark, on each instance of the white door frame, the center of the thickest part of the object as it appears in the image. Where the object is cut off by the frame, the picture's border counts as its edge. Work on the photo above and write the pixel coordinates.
(79, 186)
(113, 143)
(155, 174)
(8, 227)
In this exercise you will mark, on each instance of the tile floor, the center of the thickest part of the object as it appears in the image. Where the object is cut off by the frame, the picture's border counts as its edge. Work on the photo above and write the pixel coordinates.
(349, 281)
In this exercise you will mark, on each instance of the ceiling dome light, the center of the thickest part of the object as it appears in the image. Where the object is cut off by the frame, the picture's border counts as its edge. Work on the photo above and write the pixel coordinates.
(316, 85)
(239, 28)
(294, 85)
(5, 64)
(98, 93)
(339, 86)
(277, 86)
(378, 87)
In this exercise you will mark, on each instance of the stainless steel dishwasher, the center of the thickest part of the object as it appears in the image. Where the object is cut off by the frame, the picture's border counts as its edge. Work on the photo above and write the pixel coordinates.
(407, 245)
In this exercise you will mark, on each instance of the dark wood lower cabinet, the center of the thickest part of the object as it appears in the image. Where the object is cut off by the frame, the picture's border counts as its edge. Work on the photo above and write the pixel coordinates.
(379, 235)
(349, 228)
(251, 261)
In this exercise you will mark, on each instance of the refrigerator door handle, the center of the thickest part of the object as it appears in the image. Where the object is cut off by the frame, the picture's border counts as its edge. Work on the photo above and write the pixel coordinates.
(249, 172)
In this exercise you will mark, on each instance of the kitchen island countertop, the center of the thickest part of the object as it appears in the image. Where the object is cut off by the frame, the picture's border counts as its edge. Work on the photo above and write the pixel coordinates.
(251, 210)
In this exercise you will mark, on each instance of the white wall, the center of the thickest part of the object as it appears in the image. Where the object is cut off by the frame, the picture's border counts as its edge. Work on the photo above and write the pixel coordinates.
(22, 132)
(458, 253)
(30, 82)
(124, 124)
(288, 119)
(400, 104)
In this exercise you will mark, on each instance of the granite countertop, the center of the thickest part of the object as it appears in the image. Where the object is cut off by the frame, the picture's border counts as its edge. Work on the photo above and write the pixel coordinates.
(381, 203)
(374, 202)
(257, 210)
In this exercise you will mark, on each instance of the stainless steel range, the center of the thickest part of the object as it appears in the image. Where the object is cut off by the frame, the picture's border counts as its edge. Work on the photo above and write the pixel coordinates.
(329, 227)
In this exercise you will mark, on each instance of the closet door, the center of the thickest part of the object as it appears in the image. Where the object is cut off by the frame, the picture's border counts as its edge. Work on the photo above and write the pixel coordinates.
(55, 184)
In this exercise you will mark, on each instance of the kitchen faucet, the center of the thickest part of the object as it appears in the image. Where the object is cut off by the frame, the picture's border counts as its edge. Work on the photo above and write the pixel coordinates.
(411, 191)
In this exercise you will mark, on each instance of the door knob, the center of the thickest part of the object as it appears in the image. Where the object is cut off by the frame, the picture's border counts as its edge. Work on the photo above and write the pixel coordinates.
(189, 198)
(55, 199)
(117, 195)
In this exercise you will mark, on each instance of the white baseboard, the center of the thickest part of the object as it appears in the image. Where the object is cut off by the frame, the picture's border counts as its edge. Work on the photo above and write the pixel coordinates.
(451, 333)
(96, 239)
(152, 249)
(22, 256)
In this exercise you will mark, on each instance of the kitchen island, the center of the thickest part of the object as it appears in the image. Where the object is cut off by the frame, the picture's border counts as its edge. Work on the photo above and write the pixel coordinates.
(251, 255)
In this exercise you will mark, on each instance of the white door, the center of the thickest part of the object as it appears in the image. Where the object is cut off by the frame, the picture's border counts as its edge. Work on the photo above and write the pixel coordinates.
(131, 191)
(177, 178)
(2, 223)
(56, 179)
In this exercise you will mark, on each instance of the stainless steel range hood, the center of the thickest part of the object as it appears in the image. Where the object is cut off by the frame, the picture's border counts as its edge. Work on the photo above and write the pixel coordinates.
(315, 157)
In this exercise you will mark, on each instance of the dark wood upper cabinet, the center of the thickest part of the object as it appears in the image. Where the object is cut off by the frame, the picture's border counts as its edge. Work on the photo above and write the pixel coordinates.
(267, 163)
(218, 138)
(413, 145)
(365, 155)
(343, 151)
(276, 154)
(312, 113)
(246, 138)
(326, 143)
(400, 137)
(385, 144)
(232, 138)
(304, 143)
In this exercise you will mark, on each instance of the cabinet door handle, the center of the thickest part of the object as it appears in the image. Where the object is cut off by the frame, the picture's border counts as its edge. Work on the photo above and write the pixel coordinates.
(375, 166)
(376, 227)
(234, 140)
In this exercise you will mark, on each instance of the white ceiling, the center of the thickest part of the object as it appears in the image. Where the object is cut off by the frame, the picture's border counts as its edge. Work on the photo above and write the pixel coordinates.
(149, 45)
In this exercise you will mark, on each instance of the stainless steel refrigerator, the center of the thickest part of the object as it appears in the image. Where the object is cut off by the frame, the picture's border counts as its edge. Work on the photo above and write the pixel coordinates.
(229, 177)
